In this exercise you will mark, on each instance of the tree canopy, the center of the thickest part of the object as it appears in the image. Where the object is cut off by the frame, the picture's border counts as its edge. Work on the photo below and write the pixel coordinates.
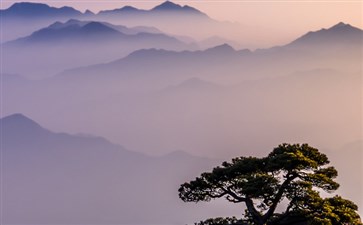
(292, 175)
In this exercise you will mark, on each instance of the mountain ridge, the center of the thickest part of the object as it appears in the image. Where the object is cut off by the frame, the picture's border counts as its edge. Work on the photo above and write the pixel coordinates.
(20, 121)
(16, 124)
(55, 170)
(164, 7)
(78, 30)
(34, 9)
(39, 10)
(213, 53)
(340, 32)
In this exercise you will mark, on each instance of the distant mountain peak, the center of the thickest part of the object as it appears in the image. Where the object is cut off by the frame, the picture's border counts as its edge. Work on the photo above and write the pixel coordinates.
(15, 116)
(339, 33)
(85, 25)
(95, 25)
(27, 5)
(340, 24)
(66, 8)
(19, 120)
(128, 8)
(343, 27)
(224, 48)
(71, 30)
(125, 9)
(98, 28)
(173, 7)
(36, 10)
(89, 13)
(72, 21)
(39, 7)
(58, 25)
(167, 5)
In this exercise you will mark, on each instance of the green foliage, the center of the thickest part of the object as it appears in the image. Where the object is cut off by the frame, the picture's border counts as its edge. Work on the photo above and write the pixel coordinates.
(294, 173)
(222, 221)
(333, 211)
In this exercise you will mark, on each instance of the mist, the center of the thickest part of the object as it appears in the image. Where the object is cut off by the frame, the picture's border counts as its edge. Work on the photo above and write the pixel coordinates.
(122, 92)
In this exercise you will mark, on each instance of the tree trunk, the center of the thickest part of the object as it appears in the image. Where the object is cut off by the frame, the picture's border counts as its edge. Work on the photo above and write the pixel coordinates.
(256, 216)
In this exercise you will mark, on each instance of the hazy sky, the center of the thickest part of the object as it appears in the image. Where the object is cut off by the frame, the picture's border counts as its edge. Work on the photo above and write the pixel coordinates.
(290, 18)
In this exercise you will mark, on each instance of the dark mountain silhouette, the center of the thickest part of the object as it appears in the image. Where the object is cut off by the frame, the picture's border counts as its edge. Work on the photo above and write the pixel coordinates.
(340, 34)
(83, 31)
(169, 6)
(30, 10)
(223, 59)
(120, 28)
(164, 61)
(216, 40)
(80, 43)
(169, 17)
(16, 123)
(134, 30)
(46, 172)
(129, 9)
(21, 131)
(220, 51)
(166, 7)
(21, 19)
(89, 13)
(72, 32)
(124, 10)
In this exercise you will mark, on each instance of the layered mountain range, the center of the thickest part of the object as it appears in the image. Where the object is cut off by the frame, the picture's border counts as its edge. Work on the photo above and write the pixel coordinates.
(156, 81)
(90, 42)
(39, 10)
(57, 178)
(28, 17)
(91, 31)
(315, 49)
(74, 42)
(61, 178)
